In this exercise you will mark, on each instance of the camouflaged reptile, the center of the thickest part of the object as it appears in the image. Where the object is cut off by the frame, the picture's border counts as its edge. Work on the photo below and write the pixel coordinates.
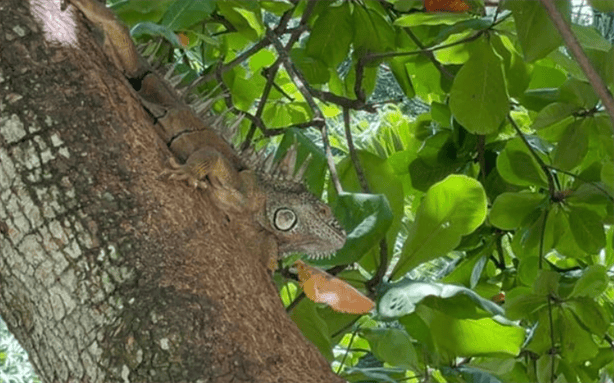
(240, 182)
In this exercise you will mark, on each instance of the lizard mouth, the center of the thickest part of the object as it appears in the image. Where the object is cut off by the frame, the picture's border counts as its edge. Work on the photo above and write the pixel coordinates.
(314, 248)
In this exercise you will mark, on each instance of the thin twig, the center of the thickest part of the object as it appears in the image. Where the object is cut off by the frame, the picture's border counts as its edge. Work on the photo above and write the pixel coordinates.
(576, 50)
(542, 235)
(552, 350)
(353, 155)
(347, 350)
(362, 179)
(429, 55)
(593, 184)
(270, 76)
(541, 163)
(318, 119)
(295, 302)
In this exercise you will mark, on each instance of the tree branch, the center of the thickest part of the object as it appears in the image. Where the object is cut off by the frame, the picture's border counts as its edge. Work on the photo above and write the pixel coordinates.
(576, 50)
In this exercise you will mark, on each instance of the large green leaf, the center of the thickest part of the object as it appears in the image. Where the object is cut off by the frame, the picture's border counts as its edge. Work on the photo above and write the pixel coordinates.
(517, 166)
(147, 28)
(535, 31)
(366, 218)
(478, 98)
(510, 209)
(245, 17)
(592, 283)
(587, 229)
(573, 146)
(401, 299)
(590, 38)
(393, 346)
(372, 33)
(577, 344)
(312, 326)
(399, 70)
(185, 13)
(472, 337)
(450, 209)
(517, 71)
(417, 19)
(381, 180)
(590, 314)
(552, 113)
(331, 35)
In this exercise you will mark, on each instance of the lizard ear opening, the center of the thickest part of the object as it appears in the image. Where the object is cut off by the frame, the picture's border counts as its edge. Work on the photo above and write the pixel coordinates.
(284, 219)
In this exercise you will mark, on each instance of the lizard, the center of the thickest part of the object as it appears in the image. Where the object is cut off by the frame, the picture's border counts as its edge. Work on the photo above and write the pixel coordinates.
(245, 183)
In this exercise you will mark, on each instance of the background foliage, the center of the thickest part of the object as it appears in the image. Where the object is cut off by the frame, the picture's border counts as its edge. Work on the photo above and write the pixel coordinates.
(474, 173)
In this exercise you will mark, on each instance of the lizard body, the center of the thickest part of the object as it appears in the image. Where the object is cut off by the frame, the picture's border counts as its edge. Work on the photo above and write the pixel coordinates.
(271, 193)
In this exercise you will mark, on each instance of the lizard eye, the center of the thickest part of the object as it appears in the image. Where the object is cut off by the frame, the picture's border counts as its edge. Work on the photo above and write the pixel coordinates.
(284, 219)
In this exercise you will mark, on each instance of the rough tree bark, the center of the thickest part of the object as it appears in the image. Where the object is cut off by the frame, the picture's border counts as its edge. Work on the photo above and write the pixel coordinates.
(107, 272)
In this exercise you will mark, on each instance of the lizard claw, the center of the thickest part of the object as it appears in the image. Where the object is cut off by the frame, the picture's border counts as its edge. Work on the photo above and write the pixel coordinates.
(179, 172)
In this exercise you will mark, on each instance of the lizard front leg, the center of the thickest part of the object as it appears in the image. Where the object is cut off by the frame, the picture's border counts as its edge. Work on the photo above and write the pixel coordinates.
(209, 169)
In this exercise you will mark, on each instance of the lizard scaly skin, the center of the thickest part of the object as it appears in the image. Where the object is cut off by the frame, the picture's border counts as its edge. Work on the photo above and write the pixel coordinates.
(272, 194)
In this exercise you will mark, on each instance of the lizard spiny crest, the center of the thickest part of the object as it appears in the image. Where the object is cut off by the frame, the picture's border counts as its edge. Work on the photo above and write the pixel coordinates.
(298, 219)
(301, 222)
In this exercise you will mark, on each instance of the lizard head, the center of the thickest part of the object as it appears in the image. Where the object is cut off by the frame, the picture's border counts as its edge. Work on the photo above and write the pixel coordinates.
(300, 222)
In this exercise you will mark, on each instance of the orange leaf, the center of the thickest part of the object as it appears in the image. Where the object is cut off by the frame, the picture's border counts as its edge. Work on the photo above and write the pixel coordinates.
(446, 6)
(321, 287)
(183, 39)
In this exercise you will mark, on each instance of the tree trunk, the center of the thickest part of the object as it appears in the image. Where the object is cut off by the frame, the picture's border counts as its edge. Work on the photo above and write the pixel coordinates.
(108, 272)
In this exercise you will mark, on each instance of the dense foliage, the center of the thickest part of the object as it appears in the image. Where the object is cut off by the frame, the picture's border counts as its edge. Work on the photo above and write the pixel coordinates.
(479, 214)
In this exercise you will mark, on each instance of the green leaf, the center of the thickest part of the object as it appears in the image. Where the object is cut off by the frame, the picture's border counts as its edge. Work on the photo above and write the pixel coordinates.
(471, 374)
(546, 283)
(553, 113)
(374, 374)
(331, 35)
(151, 29)
(397, 66)
(244, 16)
(536, 33)
(517, 166)
(313, 327)
(372, 33)
(590, 38)
(401, 299)
(592, 283)
(573, 146)
(510, 209)
(590, 315)
(366, 218)
(419, 330)
(393, 346)
(523, 305)
(185, 13)
(473, 337)
(517, 71)
(603, 5)
(450, 209)
(577, 344)
(314, 70)
(579, 93)
(478, 98)
(381, 180)
(418, 19)
(587, 229)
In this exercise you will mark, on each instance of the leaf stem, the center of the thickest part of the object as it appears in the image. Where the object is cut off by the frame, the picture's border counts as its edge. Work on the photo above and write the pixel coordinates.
(541, 163)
